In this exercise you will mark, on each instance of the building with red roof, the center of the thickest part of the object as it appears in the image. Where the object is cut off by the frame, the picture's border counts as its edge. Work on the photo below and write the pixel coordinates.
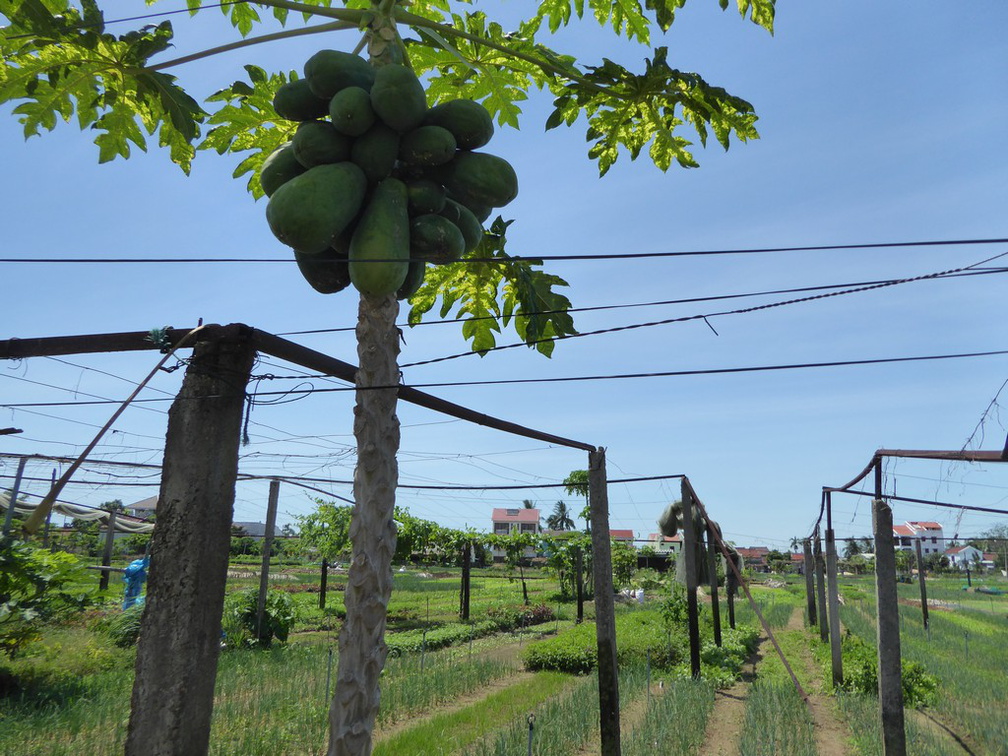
(930, 534)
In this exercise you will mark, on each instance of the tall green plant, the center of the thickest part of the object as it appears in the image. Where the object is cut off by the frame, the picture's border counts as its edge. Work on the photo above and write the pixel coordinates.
(36, 586)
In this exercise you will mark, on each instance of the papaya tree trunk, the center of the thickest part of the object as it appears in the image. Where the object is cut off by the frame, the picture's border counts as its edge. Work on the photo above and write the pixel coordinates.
(362, 648)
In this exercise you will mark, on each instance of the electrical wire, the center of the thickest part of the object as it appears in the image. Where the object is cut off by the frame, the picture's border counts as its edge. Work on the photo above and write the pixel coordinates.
(704, 317)
(586, 378)
(659, 303)
(531, 258)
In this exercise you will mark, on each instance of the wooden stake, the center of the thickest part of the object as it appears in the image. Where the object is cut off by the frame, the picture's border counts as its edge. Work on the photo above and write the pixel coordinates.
(107, 553)
(923, 587)
(712, 564)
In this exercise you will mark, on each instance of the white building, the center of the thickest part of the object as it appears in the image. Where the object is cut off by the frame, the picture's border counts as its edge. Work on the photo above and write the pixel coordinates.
(930, 535)
(964, 556)
(516, 520)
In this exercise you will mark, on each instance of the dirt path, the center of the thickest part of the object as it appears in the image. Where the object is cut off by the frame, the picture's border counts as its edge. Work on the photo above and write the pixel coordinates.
(831, 733)
(725, 722)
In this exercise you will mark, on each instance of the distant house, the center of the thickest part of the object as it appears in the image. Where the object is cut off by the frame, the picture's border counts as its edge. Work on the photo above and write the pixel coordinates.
(663, 544)
(144, 509)
(255, 530)
(930, 535)
(754, 557)
(622, 536)
(798, 562)
(962, 557)
(514, 520)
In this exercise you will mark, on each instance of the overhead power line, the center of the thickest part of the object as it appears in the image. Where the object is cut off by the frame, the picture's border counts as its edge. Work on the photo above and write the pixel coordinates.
(573, 379)
(522, 258)
(665, 302)
(704, 317)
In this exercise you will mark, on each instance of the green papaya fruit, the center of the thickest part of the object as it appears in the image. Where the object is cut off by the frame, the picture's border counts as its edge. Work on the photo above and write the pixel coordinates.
(327, 271)
(310, 211)
(480, 178)
(425, 196)
(414, 279)
(398, 97)
(468, 225)
(318, 143)
(468, 121)
(427, 145)
(351, 112)
(279, 168)
(296, 102)
(375, 152)
(329, 71)
(482, 212)
(379, 248)
(436, 239)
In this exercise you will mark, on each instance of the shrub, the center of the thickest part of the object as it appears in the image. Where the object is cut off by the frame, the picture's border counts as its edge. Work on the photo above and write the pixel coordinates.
(124, 628)
(860, 663)
(36, 586)
(240, 618)
(641, 635)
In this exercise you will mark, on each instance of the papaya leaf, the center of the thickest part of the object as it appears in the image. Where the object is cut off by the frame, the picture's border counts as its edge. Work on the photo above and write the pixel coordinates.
(247, 122)
(492, 289)
(59, 65)
(627, 111)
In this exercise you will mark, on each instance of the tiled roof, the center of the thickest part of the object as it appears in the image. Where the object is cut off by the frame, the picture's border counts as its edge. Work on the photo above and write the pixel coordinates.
(926, 525)
(902, 530)
(621, 535)
(511, 514)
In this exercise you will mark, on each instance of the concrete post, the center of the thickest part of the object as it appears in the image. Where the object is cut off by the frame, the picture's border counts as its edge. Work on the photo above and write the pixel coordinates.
(820, 568)
(9, 514)
(889, 665)
(834, 607)
(179, 644)
(712, 555)
(605, 611)
(687, 553)
(810, 607)
(271, 510)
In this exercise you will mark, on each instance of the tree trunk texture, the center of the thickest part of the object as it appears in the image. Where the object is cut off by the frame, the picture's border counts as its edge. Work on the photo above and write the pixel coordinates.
(176, 663)
(362, 648)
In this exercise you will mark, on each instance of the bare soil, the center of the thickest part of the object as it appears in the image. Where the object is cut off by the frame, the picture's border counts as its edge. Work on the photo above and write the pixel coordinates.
(724, 725)
(831, 734)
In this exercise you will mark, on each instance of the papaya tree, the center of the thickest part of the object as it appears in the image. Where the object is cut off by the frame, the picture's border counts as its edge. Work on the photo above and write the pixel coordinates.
(61, 63)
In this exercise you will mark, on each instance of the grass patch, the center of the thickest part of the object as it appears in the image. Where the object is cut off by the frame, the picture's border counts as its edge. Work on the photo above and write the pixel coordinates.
(675, 723)
(777, 721)
(454, 731)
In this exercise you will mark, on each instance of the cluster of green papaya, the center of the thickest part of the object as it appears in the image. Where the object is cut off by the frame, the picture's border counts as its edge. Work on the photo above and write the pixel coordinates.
(374, 185)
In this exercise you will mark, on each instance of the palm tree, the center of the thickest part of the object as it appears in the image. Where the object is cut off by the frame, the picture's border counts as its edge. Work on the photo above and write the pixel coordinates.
(561, 518)
(528, 503)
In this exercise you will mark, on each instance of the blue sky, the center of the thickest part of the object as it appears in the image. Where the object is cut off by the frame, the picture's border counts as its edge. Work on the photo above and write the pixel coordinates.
(879, 123)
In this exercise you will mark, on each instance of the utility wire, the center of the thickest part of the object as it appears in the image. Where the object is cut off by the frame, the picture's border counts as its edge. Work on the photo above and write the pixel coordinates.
(704, 317)
(525, 258)
(659, 303)
(162, 14)
(576, 379)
